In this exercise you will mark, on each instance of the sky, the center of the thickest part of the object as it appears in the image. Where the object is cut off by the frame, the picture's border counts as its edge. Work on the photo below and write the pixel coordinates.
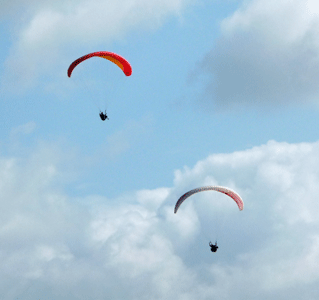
(223, 92)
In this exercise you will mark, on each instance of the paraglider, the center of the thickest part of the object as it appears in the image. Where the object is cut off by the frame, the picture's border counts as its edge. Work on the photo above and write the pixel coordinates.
(115, 58)
(221, 189)
(103, 116)
(120, 61)
(213, 248)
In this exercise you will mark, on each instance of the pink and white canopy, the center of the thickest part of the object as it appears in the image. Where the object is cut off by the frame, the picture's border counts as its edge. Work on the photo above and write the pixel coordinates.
(221, 189)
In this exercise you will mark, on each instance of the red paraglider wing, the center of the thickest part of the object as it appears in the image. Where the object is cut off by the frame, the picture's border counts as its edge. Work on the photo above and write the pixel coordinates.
(115, 58)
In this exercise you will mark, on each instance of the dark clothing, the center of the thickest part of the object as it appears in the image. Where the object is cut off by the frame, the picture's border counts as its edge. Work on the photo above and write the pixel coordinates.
(103, 116)
(213, 248)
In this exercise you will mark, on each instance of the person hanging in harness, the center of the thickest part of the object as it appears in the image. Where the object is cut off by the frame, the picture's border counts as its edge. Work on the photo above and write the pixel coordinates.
(213, 248)
(103, 116)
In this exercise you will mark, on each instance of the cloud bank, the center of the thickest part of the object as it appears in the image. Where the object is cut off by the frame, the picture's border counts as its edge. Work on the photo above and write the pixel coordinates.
(268, 54)
(55, 245)
(51, 29)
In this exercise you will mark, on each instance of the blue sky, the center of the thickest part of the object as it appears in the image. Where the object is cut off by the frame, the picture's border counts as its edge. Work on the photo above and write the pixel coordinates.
(222, 93)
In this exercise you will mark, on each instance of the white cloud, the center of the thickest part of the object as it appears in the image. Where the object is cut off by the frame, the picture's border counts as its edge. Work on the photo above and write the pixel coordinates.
(24, 128)
(268, 54)
(54, 26)
(54, 245)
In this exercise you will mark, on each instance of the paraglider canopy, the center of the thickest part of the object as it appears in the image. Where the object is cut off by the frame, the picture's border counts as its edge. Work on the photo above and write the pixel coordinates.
(221, 189)
(115, 58)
